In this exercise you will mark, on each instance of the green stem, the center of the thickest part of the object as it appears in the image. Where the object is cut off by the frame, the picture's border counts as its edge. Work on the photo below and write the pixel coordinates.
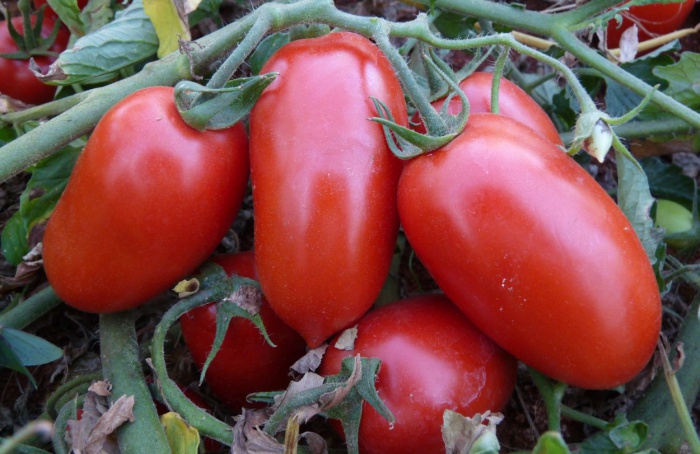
(33, 308)
(68, 411)
(497, 74)
(28, 432)
(122, 368)
(645, 129)
(77, 386)
(50, 109)
(552, 393)
(583, 417)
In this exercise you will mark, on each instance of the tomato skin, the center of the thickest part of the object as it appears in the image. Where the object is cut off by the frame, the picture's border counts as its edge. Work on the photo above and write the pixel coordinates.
(513, 102)
(652, 20)
(433, 359)
(534, 252)
(324, 182)
(148, 201)
(245, 363)
(16, 79)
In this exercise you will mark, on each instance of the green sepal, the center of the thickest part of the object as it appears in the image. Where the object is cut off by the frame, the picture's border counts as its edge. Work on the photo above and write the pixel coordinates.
(265, 49)
(226, 310)
(219, 108)
(551, 443)
(30, 42)
(349, 412)
(619, 437)
(69, 13)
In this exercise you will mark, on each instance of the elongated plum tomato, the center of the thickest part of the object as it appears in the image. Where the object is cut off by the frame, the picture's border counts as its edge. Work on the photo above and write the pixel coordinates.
(148, 201)
(652, 20)
(324, 182)
(513, 102)
(16, 79)
(534, 252)
(433, 359)
(246, 363)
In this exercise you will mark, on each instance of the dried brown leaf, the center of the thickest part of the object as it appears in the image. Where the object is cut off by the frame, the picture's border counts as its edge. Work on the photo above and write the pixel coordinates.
(315, 443)
(629, 40)
(248, 438)
(346, 340)
(310, 361)
(461, 433)
(247, 297)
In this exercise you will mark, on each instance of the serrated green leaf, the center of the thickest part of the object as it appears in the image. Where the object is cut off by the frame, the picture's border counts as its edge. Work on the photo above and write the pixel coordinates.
(128, 40)
(49, 179)
(265, 49)
(667, 181)
(683, 79)
(31, 350)
(635, 200)
(551, 443)
(169, 24)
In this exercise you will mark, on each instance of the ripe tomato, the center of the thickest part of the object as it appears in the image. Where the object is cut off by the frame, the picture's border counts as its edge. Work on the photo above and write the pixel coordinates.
(652, 20)
(433, 359)
(16, 79)
(534, 252)
(246, 363)
(513, 102)
(148, 201)
(324, 182)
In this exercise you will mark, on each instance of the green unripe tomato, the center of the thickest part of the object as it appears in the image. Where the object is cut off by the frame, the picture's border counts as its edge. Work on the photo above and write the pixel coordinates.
(673, 217)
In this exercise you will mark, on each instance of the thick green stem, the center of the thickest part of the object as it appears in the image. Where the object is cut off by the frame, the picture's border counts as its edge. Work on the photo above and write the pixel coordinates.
(33, 308)
(122, 368)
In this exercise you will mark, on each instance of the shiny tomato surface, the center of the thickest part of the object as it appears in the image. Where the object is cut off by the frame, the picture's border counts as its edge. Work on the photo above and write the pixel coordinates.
(324, 182)
(534, 252)
(513, 102)
(16, 79)
(652, 20)
(245, 363)
(433, 359)
(148, 201)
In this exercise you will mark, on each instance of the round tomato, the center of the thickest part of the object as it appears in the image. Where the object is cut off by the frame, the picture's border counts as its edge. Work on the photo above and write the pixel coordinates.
(534, 252)
(324, 182)
(433, 359)
(652, 20)
(16, 79)
(246, 363)
(513, 102)
(148, 201)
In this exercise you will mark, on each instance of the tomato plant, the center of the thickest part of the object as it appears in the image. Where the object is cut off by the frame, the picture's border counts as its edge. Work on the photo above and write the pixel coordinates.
(513, 102)
(433, 359)
(148, 200)
(534, 252)
(16, 79)
(652, 20)
(49, 12)
(245, 363)
(324, 182)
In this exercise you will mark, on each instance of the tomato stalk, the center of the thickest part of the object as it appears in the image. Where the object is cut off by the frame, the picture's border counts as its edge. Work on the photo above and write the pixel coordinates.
(67, 392)
(68, 411)
(552, 392)
(498, 71)
(33, 308)
(122, 368)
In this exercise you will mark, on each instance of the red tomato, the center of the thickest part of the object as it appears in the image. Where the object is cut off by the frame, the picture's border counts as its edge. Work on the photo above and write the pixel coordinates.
(16, 80)
(652, 20)
(433, 359)
(513, 102)
(246, 363)
(324, 182)
(534, 252)
(148, 201)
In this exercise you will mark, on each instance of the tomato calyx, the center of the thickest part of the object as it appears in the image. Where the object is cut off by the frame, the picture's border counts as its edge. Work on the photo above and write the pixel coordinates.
(30, 42)
(406, 143)
(219, 108)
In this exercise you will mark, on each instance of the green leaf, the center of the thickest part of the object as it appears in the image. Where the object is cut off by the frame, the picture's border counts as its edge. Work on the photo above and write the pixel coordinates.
(169, 24)
(635, 201)
(667, 181)
(551, 443)
(96, 14)
(619, 438)
(31, 350)
(69, 13)
(265, 49)
(128, 40)
(683, 79)
(620, 99)
(206, 9)
(9, 360)
(49, 179)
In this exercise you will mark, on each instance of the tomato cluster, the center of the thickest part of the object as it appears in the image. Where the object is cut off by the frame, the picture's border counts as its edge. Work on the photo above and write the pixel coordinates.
(535, 259)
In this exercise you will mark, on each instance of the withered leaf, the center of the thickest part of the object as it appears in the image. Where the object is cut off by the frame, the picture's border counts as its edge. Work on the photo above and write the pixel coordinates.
(346, 341)
(248, 438)
(310, 361)
(460, 433)
(246, 297)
